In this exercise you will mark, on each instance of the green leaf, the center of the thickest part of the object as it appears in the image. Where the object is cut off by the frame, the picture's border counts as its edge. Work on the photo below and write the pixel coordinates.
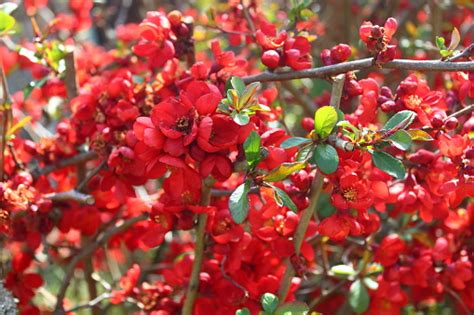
(8, 7)
(400, 120)
(304, 153)
(241, 119)
(401, 140)
(238, 85)
(243, 311)
(326, 158)
(292, 308)
(419, 135)
(248, 94)
(389, 164)
(34, 84)
(252, 149)
(358, 297)
(282, 199)
(7, 22)
(371, 283)
(294, 142)
(282, 171)
(239, 202)
(325, 119)
(445, 53)
(269, 302)
(343, 270)
(440, 42)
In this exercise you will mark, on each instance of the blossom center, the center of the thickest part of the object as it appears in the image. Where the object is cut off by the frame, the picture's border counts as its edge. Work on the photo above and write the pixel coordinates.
(182, 123)
(414, 101)
(350, 194)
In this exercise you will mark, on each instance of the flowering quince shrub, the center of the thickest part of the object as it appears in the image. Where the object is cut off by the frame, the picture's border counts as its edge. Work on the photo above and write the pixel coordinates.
(238, 160)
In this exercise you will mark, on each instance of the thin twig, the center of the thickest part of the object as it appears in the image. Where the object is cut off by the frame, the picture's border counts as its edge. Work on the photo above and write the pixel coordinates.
(193, 286)
(6, 111)
(77, 159)
(91, 303)
(305, 101)
(466, 53)
(86, 252)
(71, 195)
(400, 64)
(466, 110)
(90, 175)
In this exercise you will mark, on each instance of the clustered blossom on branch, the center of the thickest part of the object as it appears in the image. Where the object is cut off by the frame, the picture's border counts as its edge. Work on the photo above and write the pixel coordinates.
(158, 158)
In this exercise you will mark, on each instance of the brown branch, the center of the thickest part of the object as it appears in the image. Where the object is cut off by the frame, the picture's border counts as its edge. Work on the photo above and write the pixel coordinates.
(85, 253)
(466, 53)
(400, 64)
(70, 76)
(193, 286)
(91, 303)
(466, 110)
(6, 112)
(71, 195)
(78, 159)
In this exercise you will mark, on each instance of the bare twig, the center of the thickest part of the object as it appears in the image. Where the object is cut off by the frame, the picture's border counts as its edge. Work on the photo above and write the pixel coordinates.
(400, 64)
(90, 175)
(6, 111)
(71, 195)
(466, 53)
(86, 252)
(80, 158)
(193, 286)
(337, 88)
(466, 110)
(300, 98)
(91, 303)
(70, 76)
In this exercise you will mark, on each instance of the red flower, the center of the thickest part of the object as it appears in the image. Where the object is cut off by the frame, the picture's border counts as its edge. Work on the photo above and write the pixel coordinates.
(127, 283)
(352, 193)
(297, 53)
(217, 133)
(268, 38)
(390, 249)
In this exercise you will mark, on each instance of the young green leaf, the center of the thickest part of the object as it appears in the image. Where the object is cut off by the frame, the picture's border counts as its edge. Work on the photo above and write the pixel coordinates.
(325, 119)
(401, 140)
(282, 199)
(292, 308)
(358, 297)
(238, 85)
(241, 118)
(294, 142)
(440, 43)
(282, 171)
(252, 149)
(269, 302)
(400, 120)
(343, 270)
(326, 158)
(370, 283)
(419, 135)
(243, 311)
(248, 94)
(239, 202)
(389, 164)
(7, 22)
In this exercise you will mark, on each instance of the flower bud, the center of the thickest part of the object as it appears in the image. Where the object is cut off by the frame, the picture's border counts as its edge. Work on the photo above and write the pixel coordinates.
(451, 123)
(341, 52)
(175, 17)
(271, 59)
(386, 91)
(353, 88)
(326, 58)
(307, 124)
(388, 106)
(437, 120)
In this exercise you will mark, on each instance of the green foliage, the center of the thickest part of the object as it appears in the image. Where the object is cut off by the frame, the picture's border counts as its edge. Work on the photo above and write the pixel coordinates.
(326, 158)
(358, 297)
(239, 202)
(252, 149)
(325, 119)
(389, 164)
(282, 198)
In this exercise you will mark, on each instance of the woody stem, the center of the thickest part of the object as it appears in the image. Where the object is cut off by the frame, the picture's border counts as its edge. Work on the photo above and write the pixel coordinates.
(315, 193)
(198, 253)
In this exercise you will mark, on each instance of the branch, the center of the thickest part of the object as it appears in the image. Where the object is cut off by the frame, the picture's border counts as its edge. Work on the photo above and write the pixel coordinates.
(193, 286)
(91, 303)
(466, 110)
(400, 64)
(71, 195)
(85, 253)
(466, 53)
(80, 158)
